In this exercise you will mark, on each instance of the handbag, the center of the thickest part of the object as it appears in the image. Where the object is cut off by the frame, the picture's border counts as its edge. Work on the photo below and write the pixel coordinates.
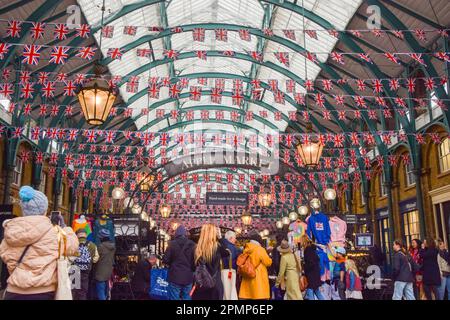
(245, 266)
(64, 284)
(159, 286)
(228, 277)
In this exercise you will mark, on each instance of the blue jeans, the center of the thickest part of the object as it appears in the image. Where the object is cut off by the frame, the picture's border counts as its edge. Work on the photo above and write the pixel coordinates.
(177, 292)
(102, 287)
(314, 294)
(445, 284)
(403, 289)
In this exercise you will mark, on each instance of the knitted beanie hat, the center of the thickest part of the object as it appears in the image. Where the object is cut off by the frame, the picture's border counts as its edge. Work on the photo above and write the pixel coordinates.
(104, 233)
(32, 202)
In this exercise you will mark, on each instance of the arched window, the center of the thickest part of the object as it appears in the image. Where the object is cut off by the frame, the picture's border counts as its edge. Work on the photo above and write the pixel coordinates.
(444, 155)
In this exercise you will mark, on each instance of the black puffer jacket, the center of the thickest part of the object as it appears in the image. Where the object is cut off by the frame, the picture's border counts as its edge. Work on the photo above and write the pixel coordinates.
(401, 268)
(312, 267)
(179, 257)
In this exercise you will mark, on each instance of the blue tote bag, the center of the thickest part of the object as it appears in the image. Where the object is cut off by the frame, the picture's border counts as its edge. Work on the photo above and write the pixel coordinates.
(158, 284)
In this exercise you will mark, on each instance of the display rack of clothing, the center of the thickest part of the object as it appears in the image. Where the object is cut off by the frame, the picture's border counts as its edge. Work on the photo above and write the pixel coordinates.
(319, 228)
(296, 230)
(338, 229)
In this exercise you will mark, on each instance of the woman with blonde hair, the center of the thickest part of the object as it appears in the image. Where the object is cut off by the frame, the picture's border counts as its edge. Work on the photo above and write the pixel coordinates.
(353, 281)
(209, 251)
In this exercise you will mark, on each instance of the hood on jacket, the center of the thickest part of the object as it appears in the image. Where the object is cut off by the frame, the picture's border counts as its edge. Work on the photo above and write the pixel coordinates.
(23, 231)
(250, 247)
(108, 245)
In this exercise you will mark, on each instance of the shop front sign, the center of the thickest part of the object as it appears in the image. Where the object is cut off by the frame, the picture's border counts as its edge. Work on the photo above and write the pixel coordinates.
(227, 198)
(408, 205)
(382, 213)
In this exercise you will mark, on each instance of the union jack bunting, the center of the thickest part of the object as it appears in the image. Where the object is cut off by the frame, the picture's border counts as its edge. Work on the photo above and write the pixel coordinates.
(442, 56)
(198, 34)
(221, 35)
(311, 56)
(417, 57)
(244, 34)
(86, 52)
(13, 29)
(420, 34)
(195, 93)
(290, 34)
(365, 57)
(228, 53)
(60, 32)
(177, 29)
(311, 33)
(268, 32)
(114, 53)
(337, 57)
(290, 86)
(37, 30)
(83, 31)
(399, 34)
(216, 95)
(333, 33)
(391, 57)
(171, 54)
(31, 54)
(59, 55)
(144, 53)
(279, 97)
(108, 31)
(283, 57)
(201, 54)
(129, 30)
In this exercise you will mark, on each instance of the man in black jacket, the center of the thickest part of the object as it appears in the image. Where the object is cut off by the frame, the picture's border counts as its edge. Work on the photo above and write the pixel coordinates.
(402, 273)
(179, 257)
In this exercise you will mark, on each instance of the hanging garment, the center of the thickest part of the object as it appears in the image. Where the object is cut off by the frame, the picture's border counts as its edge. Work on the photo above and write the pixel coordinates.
(319, 227)
(338, 228)
(324, 264)
(297, 230)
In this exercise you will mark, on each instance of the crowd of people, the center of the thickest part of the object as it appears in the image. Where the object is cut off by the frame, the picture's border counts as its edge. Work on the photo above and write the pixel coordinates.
(422, 271)
(32, 247)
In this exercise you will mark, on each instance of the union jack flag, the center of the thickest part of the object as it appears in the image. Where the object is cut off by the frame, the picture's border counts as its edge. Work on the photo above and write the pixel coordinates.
(228, 53)
(256, 94)
(6, 73)
(411, 84)
(17, 132)
(27, 90)
(48, 89)
(83, 31)
(202, 81)
(365, 57)
(311, 56)
(174, 91)
(14, 28)
(377, 86)
(37, 30)
(114, 53)
(234, 116)
(268, 32)
(356, 33)
(333, 33)
(290, 86)
(391, 57)
(153, 90)
(6, 90)
(130, 30)
(86, 52)
(429, 84)
(394, 84)
(339, 100)
(171, 54)
(244, 34)
(216, 95)
(198, 34)
(60, 32)
(418, 57)
(372, 114)
(201, 54)
(290, 34)
(341, 115)
(237, 97)
(360, 102)
(144, 53)
(311, 33)
(31, 54)
(108, 31)
(399, 34)
(320, 100)
(442, 56)
(443, 33)
(283, 57)
(256, 55)
(326, 114)
(69, 88)
(309, 85)
(420, 34)
(176, 29)
(195, 93)
(337, 57)
(377, 33)
(299, 98)
(327, 84)
(278, 97)
(59, 55)
(221, 35)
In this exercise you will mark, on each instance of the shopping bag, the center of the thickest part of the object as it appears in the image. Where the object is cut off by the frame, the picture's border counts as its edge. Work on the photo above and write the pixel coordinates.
(64, 286)
(277, 293)
(228, 277)
(159, 285)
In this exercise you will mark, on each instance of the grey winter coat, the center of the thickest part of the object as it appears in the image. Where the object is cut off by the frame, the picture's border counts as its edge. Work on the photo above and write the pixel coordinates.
(104, 267)
(401, 268)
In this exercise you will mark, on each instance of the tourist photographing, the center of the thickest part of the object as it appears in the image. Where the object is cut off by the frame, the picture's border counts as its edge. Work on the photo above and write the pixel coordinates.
(30, 249)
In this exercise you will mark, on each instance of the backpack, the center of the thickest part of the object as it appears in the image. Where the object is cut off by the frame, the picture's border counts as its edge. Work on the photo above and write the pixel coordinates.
(245, 266)
(202, 277)
(357, 285)
(84, 260)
